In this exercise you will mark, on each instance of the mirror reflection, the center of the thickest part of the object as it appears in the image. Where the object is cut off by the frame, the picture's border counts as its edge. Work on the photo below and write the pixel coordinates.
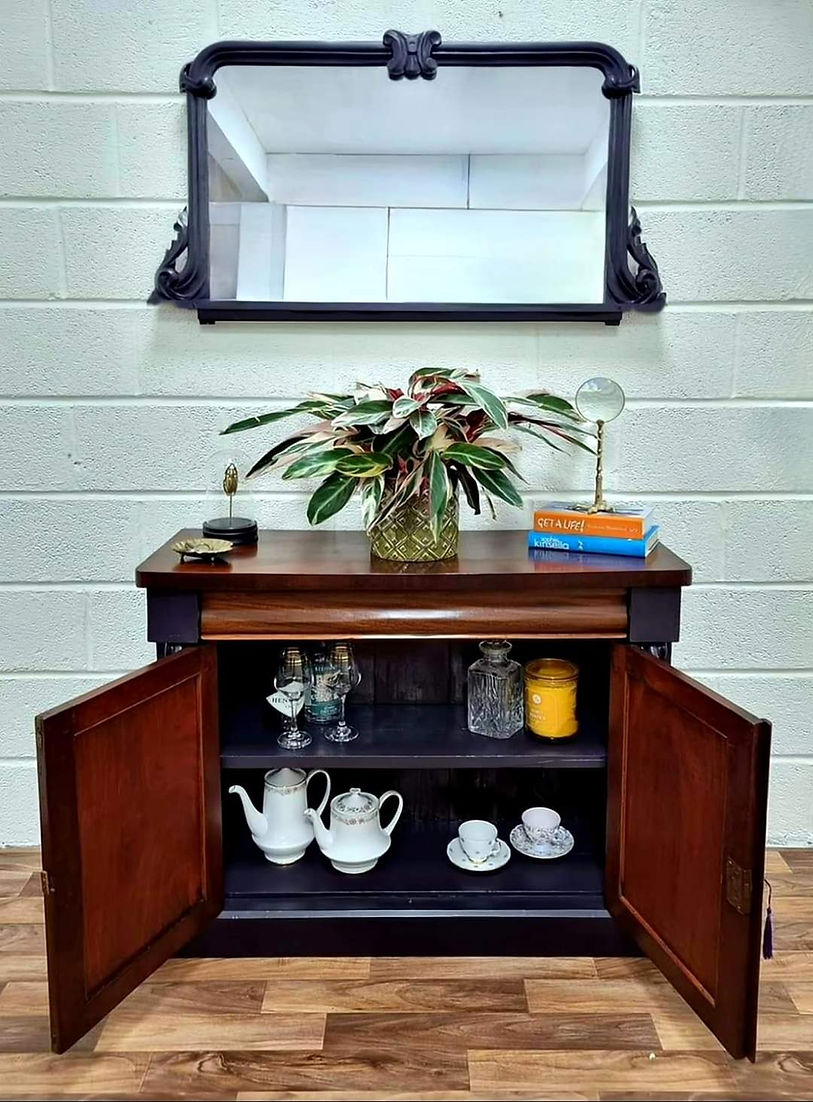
(336, 184)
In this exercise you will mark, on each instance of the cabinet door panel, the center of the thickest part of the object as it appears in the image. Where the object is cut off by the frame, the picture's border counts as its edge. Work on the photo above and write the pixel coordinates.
(687, 798)
(131, 838)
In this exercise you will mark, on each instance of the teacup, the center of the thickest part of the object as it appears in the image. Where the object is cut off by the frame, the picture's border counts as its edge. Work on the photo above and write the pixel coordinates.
(539, 824)
(478, 839)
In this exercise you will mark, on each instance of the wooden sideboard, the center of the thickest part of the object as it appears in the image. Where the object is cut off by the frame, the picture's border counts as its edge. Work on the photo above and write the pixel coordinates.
(664, 787)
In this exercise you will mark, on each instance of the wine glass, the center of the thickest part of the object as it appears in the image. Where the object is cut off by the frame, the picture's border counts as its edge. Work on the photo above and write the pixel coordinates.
(293, 679)
(342, 676)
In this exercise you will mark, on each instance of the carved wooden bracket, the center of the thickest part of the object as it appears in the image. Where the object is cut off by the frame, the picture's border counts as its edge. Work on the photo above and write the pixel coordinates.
(412, 54)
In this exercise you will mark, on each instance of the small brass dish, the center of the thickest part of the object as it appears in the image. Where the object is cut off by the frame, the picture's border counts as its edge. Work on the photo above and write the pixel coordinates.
(202, 550)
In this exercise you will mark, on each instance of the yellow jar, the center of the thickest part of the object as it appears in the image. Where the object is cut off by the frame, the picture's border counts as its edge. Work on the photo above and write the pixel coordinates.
(550, 697)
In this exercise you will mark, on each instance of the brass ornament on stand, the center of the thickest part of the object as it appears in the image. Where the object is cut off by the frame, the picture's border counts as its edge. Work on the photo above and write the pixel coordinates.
(231, 480)
(599, 400)
(240, 530)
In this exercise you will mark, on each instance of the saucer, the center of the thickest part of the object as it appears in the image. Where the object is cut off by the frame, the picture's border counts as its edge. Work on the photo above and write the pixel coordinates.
(209, 551)
(454, 851)
(562, 843)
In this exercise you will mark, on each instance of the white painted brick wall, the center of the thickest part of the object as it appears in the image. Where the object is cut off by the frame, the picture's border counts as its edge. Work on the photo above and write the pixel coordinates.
(30, 253)
(115, 45)
(685, 152)
(745, 254)
(775, 354)
(727, 47)
(44, 629)
(772, 166)
(108, 409)
(26, 63)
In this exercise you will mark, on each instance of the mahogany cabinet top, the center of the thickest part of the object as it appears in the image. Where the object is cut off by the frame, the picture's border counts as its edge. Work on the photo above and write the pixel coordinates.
(316, 560)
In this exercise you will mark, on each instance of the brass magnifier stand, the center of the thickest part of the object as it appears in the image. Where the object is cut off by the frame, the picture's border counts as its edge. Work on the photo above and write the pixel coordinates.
(599, 400)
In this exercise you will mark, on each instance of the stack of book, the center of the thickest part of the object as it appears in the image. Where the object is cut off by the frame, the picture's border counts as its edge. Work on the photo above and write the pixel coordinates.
(629, 530)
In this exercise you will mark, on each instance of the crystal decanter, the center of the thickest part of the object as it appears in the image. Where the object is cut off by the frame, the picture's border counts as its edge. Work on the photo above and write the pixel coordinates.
(495, 692)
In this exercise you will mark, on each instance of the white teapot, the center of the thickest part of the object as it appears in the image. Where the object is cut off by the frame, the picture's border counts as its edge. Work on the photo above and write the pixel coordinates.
(356, 838)
(281, 829)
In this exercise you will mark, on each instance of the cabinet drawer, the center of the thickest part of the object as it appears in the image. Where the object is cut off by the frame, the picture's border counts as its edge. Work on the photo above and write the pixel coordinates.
(587, 614)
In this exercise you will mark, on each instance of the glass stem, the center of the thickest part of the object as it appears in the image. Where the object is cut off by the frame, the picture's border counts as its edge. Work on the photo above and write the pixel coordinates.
(342, 721)
(289, 724)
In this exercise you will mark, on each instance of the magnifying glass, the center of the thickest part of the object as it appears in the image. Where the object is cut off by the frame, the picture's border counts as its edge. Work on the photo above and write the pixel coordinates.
(600, 400)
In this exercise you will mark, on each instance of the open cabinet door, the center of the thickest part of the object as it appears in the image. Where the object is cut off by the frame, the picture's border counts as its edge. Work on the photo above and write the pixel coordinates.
(131, 837)
(687, 797)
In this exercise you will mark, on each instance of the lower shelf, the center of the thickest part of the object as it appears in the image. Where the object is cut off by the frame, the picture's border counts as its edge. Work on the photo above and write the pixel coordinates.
(415, 875)
(413, 903)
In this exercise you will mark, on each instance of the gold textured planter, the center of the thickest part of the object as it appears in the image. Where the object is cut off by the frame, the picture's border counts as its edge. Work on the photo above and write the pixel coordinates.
(405, 536)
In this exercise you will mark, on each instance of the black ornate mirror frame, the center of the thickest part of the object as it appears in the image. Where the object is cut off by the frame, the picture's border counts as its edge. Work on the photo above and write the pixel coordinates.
(627, 286)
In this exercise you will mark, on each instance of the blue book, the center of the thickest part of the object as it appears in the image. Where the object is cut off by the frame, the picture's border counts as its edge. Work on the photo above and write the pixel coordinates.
(595, 545)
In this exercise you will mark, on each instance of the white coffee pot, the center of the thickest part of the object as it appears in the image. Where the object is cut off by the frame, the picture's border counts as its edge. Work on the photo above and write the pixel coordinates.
(356, 838)
(282, 830)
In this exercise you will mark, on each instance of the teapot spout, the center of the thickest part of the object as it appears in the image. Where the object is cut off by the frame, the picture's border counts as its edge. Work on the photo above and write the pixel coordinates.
(257, 822)
(324, 839)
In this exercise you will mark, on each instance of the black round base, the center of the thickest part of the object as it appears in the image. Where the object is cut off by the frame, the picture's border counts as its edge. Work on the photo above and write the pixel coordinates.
(240, 530)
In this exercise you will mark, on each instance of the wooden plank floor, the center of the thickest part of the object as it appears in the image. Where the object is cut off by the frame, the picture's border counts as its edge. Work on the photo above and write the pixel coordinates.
(449, 1028)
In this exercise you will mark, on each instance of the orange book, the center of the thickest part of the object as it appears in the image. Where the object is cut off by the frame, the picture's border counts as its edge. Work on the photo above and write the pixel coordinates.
(627, 523)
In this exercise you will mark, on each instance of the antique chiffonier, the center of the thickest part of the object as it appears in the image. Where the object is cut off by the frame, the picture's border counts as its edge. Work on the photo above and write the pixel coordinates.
(664, 786)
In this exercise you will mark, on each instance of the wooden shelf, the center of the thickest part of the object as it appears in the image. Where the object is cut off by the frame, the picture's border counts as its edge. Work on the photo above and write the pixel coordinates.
(404, 736)
(415, 875)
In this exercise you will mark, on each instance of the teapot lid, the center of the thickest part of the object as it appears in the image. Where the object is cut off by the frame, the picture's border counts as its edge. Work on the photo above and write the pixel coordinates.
(284, 778)
(356, 802)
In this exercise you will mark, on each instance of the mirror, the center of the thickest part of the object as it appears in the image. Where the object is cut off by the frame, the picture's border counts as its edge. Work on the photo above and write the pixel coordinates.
(338, 185)
(490, 184)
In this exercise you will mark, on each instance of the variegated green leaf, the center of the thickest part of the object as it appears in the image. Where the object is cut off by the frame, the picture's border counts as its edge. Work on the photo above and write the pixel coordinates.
(564, 432)
(292, 445)
(473, 455)
(404, 406)
(405, 489)
(372, 490)
(497, 482)
(386, 428)
(399, 444)
(425, 373)
(319, 462)
(515, 419)
(344, 401)
(333, 494)
(308, 406)
(364, 464)
(508, 464)
(487, 401)
(548, 402)
(423, 422)
(536, 433)
(458, 399)
(439, 490)
(470, 488)
(366, 413)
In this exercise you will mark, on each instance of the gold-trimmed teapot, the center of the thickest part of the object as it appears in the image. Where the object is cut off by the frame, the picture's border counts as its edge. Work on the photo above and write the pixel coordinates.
(281, 830)
(356, 838)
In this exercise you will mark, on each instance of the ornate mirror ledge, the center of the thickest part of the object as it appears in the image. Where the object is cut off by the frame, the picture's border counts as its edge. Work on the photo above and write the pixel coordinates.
(409, 180)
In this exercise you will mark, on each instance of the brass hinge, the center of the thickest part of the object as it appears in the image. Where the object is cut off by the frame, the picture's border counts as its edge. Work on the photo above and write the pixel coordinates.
(738, 886)
(45, 881)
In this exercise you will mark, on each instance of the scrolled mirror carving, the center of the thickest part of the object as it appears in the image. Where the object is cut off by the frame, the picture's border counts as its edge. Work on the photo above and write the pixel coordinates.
(409, 180)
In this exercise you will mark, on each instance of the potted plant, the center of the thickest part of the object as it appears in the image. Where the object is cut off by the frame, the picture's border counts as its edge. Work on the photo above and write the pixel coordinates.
(409, 453)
